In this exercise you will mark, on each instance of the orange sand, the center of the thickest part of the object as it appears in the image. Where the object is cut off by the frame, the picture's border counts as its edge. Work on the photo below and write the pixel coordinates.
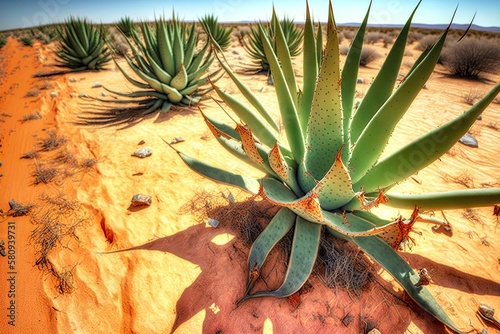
(186, 276)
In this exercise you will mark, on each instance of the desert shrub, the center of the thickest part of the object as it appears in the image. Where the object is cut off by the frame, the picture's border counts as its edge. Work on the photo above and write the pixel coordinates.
(368, 55)
(344, 49)
(53, 141)
(3, 41)
(472, 57)
(32, 93)
(373, 37)
(387, 39)
(414, 36)
(117, 42)
(472, 96)
(348, 34)
(425, 43)
(26, 40)
(32, 116)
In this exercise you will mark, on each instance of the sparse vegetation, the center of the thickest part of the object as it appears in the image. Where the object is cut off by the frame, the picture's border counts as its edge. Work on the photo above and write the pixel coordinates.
(26, 40)
(3, 41)
(32, 116)
(368, 55)
(18, 209)
(472, 96)
(53, 141)
(44, 174)
(426, 42)
(471, 57)
(32, 93)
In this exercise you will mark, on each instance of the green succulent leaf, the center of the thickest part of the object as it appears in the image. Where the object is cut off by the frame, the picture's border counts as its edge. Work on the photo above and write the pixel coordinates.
(305, 247)
(281, 223)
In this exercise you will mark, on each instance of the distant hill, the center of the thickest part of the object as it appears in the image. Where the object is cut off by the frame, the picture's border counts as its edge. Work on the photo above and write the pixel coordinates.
(454, 26)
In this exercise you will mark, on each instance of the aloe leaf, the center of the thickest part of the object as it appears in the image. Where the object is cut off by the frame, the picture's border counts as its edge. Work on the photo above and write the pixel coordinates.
(349, 81)
(395, 265)
(305, 247)
(310, 70)
(287, 105)
(376, 134)
(284, 170)
(219, 175)
(423, 151)
(247, 93)
(324, 129)
(262, 132)
(383, 84)
(458, 199)
(281, 223)
(283, 54)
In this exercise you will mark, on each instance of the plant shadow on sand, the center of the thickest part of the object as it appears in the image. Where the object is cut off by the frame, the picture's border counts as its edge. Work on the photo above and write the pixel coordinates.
(221, 284)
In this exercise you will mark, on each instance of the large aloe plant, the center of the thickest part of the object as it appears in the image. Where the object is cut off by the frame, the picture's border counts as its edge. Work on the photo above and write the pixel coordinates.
(82, 45)
(329, 171)
(255, 48)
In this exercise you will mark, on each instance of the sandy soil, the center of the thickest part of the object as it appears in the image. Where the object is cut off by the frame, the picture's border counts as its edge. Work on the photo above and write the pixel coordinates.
(185, 276)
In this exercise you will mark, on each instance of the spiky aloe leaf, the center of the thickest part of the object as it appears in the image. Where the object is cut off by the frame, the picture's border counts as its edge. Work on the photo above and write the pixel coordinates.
(324, 129)
(302, 258)
(376, 134)
(281, 223)
(418, 154)
(390, 260)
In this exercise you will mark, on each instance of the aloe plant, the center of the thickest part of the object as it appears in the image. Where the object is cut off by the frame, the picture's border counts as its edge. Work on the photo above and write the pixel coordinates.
(170, 68)
(126, 26)
(328, 173)
(82, 45)
(255, 47)
(219, 34)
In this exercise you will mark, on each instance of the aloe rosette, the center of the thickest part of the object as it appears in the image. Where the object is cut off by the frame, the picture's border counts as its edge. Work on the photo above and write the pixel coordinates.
(218, 33)
(82, 45)
(168, 68)
(329, 171)
(255, 47)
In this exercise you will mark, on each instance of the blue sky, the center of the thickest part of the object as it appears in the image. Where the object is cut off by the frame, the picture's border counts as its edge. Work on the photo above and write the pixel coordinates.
(25, 13)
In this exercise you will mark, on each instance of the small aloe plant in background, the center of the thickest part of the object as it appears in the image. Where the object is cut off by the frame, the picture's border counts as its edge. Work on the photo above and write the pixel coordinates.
(328, 172)
(170, 69)
(255, 48)
(219, 34)
(82, 45)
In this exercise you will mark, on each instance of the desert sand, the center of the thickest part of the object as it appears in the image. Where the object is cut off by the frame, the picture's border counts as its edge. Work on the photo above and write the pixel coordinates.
(184, 276)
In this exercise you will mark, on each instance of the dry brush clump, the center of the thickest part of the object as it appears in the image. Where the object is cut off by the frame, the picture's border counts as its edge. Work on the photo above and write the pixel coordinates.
(472, 57)
(55, 228)
(368, 55)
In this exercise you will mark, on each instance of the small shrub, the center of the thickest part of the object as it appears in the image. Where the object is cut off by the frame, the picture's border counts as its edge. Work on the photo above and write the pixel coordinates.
(32, 116)
(426, 43)
(368, 55)
(373, 37)
(472, 96)
(26, 41)
(32, 93)
(413, 37)
(348, 34)
(3, 41)
(31, 155)
(17, 209)
(344, 49)
(44, 174)
(470, 58)
(53, 141)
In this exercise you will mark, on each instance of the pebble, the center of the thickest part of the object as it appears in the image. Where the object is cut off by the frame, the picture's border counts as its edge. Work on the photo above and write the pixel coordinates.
(53, 94)
(176, 140)
(468, 140)
(96, 84)
(143, 152)
(141, 200)
(360, 80)
(213, 222)
(72, 80)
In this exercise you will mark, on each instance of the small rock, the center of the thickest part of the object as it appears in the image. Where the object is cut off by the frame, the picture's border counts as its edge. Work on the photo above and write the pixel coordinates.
(72, 80)
(96, 85)
(468, 140)
(0, 164)
(104, 94)
(53, 94)
(141, 200)
(143, 152)
(235, 52)
(142, 142)
(424, 86)
(213, 222)
(83, 95)
(240, 57)
(176, 140)
(479, 118)
(360, 80)
(270, 80)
